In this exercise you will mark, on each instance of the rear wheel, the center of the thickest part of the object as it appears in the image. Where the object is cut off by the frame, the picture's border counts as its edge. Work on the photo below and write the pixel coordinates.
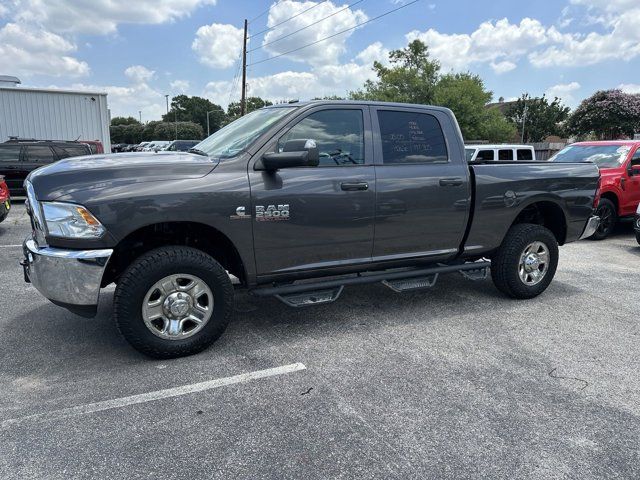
(638, 237)
(173, 301)
(526, 262)
(608, 218)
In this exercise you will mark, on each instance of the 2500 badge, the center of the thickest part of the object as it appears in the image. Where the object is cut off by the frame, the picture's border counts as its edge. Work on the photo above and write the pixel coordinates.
(272, 213)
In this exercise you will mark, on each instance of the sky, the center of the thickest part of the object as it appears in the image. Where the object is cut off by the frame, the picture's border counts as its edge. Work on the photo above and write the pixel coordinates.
(138, 51)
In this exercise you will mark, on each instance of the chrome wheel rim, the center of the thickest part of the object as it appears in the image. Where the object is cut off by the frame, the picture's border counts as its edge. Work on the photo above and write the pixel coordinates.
(177, 306)
(534, 263)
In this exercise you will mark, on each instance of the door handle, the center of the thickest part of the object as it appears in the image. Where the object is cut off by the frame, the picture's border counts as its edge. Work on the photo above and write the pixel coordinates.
(450, 182)
(352, 186)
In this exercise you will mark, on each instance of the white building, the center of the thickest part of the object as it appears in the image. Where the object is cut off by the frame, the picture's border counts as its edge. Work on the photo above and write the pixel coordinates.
(51, 114)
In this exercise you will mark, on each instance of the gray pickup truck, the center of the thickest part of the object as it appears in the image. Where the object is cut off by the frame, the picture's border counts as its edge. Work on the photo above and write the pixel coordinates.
(294, 201)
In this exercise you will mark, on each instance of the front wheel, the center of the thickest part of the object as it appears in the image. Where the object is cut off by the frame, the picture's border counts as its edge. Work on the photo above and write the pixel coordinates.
(608, 218)
(526, 262)
(638, 237)
(173, 301)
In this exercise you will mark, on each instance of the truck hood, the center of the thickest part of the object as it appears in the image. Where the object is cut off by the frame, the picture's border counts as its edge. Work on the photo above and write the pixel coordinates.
(72, 175)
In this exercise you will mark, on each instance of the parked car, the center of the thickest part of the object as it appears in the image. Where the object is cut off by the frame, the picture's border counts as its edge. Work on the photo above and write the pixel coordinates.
(94, 145)
(619, 164)
(487, 153)
(360, 191)
(19, 157)
(156, 146)
(181, 145)
(140, 147)
(5, 199)
(636, 224)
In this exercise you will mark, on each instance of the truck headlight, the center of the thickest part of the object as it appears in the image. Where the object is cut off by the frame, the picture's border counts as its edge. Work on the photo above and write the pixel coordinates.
(70, 221)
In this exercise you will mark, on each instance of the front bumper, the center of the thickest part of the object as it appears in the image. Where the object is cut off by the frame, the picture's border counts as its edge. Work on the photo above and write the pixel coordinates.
(69, 278)
(592, 225)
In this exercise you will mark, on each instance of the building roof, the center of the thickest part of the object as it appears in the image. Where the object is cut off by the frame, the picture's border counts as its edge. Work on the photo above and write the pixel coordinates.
(52, 90)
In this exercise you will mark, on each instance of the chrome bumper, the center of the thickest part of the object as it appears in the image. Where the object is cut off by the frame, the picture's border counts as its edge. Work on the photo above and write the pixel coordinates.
(69, 278)
(592, 226)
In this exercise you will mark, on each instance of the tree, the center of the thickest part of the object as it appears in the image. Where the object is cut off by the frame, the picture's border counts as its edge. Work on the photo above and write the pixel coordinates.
(542, 118)
(607, 114)
(185, 131)
(466, 96)
(116, 121)
(127, 133)
(253, 103)
(410, 78)
(194, 109)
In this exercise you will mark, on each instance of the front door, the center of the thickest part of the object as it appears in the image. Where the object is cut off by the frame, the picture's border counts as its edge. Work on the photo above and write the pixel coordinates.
(312, 217)
(632, 187)
(423, 191)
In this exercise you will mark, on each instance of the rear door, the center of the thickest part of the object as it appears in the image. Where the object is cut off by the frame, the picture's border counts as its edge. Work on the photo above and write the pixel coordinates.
(422, 184)
(12, 168)
(317, 217)
(505, 154)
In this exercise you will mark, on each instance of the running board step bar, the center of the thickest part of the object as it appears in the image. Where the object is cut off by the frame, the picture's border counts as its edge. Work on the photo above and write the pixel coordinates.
(307, 299)
(410, 284)
(325, 291)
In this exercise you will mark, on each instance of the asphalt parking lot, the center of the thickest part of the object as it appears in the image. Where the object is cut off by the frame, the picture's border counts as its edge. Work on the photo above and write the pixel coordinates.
(454, 382)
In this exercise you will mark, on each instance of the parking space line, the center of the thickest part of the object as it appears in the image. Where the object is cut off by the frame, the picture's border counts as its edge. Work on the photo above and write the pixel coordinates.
(9, 246)
(157, 395)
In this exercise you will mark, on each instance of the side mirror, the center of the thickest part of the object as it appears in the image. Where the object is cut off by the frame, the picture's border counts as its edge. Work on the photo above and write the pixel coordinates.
(295, 153)
(633, 170)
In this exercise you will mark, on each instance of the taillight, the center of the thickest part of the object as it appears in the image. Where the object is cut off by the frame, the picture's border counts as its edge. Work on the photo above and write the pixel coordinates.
(596, 198)
(4, 191)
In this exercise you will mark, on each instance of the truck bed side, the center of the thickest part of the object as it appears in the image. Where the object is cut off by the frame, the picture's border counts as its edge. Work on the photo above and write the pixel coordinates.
(505, 192)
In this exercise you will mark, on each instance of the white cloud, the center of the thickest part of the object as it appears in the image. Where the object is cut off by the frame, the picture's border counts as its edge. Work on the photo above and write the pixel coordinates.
(622, 42)
(139, 74)
(327, 51)
(608, 5)
(28, 51)
(218, 45)
(503, 67)
(564, 91)
(499, 44)
(100, 17)
(180, 85)
(630, 87)
(374, 52)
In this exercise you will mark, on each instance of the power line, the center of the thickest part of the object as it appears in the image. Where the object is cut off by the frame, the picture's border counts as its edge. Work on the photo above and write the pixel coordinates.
(335, 34)
(263, 13)
(304, 28)
(290, 18)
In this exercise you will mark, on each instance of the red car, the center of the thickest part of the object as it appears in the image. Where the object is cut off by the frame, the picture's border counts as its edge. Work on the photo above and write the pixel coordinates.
(94, 145)
(619, 164)
(5, 201)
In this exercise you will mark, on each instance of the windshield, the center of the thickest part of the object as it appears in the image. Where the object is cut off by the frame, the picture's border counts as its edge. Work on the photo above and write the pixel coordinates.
(604, 156)
(235, 137)
(469, 153)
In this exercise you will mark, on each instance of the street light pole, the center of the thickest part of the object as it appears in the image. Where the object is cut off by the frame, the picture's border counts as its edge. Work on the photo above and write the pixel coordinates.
(140, 114)
(166, 97)
(208, 129)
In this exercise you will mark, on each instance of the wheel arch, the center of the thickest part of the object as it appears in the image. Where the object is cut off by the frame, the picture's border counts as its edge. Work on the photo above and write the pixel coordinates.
(192, 234)
(613, 197)
(547, 213)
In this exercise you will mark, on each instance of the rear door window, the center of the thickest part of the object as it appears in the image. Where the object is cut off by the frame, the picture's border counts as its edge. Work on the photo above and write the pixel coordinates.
(411, 137)
(39, 154)
(505, 154)
(9, 153)
(72, 150)
(524, 154)
(486, 155)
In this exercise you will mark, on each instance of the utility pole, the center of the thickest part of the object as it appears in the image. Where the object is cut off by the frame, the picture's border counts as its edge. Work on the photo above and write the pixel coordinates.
(243, 98)
(166, 97)
(524, 117)
(140, 114)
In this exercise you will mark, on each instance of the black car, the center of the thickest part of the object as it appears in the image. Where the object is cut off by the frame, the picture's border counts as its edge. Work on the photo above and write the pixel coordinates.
(19, 157)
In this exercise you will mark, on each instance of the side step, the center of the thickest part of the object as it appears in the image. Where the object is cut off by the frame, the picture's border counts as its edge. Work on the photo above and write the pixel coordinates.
(307, 299)
(411, 284)
(325, 291)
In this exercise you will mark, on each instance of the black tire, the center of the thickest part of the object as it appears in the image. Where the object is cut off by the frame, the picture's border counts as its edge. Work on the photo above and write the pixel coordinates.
(149, 268)
(638, 237)
(608, 219)
(505, 263)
